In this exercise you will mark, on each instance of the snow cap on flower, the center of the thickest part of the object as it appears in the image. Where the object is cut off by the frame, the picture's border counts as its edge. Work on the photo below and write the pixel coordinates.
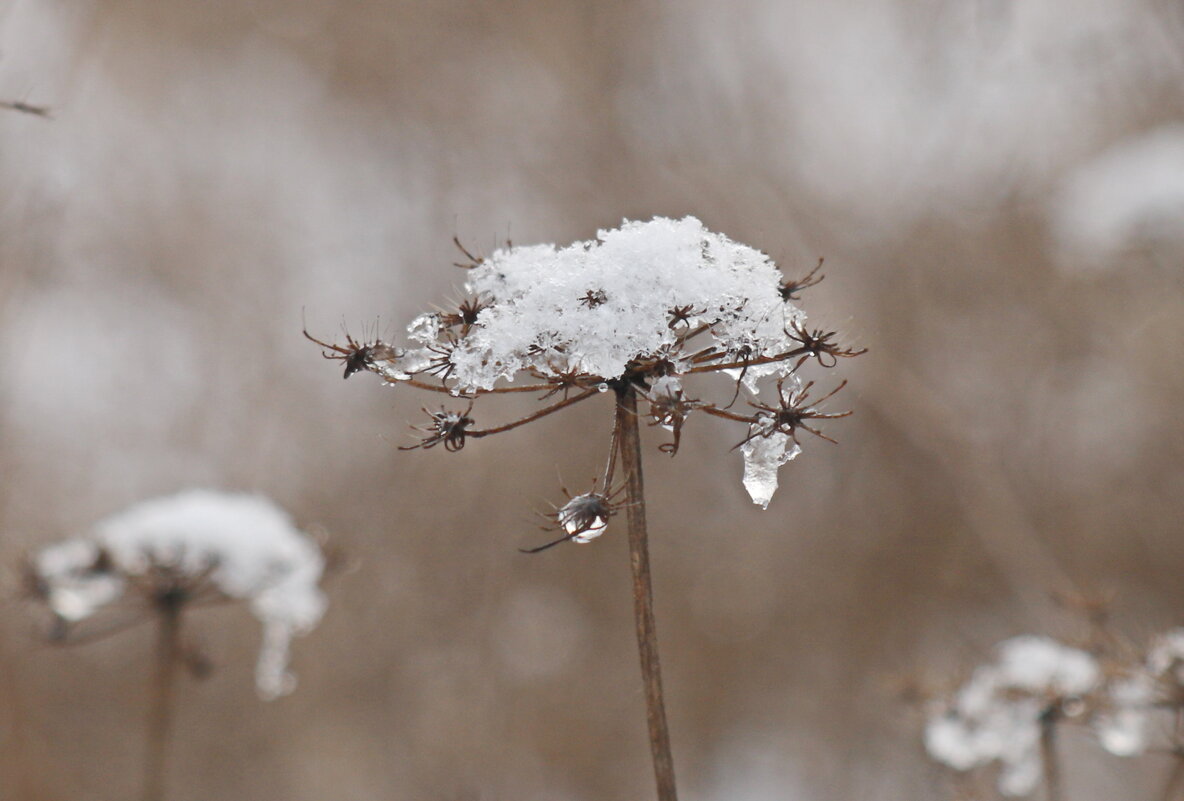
(595, 306)
(640, 309)
(244, 545)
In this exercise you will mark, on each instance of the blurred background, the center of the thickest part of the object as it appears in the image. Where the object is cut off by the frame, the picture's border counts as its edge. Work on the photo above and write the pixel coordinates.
(998, 191)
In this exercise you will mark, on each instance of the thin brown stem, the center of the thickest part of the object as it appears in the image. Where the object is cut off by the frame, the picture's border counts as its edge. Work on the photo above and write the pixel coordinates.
(717, 412)
(160, 715)
(530, 418)
(613, 447)
(643, 594)
(742, 363)
(1048, 755)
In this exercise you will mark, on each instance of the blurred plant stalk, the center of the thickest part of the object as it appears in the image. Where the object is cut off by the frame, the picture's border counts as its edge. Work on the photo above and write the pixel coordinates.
(160, 713)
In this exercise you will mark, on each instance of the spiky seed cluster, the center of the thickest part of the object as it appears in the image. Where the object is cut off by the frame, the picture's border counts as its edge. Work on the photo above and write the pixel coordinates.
(446, 427)
(190, 550)
(646, 306)
(584, 517)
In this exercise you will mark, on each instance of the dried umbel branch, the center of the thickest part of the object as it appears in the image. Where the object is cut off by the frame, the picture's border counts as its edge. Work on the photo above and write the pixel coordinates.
(630, 316)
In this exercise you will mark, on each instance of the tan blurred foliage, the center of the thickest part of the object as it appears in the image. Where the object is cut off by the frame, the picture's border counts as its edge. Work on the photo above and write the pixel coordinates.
(213, 171)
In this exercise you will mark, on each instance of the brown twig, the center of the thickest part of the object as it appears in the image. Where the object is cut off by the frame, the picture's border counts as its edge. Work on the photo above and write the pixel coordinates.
(643, 595)
(160, 715)
(530, 418)
(26, 108)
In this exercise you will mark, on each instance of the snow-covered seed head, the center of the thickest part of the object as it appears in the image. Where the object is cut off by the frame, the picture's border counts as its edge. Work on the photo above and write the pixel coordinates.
(643, 302)
(584, 517)
(186, 551)
(999, 714)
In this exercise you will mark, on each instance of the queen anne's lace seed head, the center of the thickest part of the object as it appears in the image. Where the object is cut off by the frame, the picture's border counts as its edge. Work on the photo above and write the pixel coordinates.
(643, 308)
(206, 545)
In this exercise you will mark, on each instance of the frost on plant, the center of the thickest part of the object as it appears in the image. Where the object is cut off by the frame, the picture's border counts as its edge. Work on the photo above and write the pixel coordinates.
(647, 306)
(188, 550)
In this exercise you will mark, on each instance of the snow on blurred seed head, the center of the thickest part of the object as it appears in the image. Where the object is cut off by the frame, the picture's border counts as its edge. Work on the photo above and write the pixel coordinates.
(192, 549)
(997, 715)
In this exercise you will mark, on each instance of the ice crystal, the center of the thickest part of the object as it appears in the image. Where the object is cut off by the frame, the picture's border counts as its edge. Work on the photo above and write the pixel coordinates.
(763, 455)
(244, 546)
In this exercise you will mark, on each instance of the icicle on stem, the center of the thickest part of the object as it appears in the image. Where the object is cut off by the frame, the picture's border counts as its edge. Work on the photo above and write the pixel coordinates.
(643, 596)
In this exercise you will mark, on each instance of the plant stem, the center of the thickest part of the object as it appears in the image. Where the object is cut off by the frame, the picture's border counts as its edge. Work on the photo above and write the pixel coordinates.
(643, 594)
(1048, 755)
(160, 714)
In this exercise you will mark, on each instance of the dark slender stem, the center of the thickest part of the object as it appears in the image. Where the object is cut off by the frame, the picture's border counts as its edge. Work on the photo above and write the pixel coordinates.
(160, 715)
(742, 363)
(445, 389)
(739, 418)
(1048, 755)
(530, 418)
(613, 446)
(643, 595)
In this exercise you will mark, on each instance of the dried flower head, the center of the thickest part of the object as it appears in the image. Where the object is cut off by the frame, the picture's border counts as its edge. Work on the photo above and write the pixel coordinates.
(446, 426)
(185, 551)
(646, 306)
